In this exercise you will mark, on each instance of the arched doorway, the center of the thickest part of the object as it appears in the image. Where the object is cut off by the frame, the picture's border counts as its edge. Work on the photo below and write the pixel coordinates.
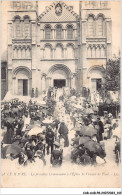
(59, 76)
(96, 75)
(22, 81)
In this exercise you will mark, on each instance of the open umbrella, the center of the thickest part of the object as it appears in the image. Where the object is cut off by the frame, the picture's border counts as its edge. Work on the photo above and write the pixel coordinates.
(89, 111)
(12, 149)
(76, 128)
(14, 110)
(89, 131)
(84, 140)
(41, 102)
(43, 105)
(6, 111)
(35, 130)
(95, 147)
(77, 106)
(47, 121)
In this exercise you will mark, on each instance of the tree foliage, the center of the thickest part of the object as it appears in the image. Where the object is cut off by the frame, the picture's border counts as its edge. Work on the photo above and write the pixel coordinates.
(112, 82)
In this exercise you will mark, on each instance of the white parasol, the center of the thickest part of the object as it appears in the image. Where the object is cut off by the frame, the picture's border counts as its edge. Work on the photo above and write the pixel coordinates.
(35, 130)
(47, 121)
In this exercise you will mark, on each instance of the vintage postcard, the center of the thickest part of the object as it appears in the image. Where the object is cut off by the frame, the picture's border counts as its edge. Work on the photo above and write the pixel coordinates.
(60, 94)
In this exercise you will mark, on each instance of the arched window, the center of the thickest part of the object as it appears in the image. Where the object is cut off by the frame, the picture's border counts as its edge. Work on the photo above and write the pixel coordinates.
(47, 32)
(70, 52)
(91, 26)
(70, 32)
(59, 52)
(93, 52)
(98, 52)
(17, 27)
(48, 52)
(26, 27)
(59, 31)
(100, 26)
(89, 51)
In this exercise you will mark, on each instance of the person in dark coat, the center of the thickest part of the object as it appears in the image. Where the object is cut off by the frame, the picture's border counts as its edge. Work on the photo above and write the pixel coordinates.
(49, 139)
(57, 155)
(63, 131)
(100, 129)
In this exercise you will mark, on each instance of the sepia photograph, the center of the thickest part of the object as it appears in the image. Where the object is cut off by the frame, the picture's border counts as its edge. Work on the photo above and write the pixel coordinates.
(60, 94)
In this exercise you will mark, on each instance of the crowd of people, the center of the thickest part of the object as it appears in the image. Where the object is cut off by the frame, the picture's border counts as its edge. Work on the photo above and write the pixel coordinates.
(64, 119)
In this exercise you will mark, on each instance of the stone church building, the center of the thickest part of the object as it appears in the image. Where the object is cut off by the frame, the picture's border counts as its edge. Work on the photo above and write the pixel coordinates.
(59, 47)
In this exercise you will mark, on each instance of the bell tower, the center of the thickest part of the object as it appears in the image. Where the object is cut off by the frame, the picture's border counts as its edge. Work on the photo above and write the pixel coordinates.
(22, 17)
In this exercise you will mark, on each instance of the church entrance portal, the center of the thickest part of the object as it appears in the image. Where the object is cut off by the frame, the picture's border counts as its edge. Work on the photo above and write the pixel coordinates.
(23, 87)
(59, 83)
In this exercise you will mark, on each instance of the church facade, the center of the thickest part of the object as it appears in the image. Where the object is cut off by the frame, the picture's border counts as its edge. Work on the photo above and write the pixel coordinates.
(58, 48)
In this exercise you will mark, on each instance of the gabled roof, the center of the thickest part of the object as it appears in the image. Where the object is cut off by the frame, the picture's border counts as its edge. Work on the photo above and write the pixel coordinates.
(49, 15)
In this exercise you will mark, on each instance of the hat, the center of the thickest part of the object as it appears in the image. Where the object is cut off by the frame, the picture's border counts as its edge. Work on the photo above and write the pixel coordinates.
(56, 143)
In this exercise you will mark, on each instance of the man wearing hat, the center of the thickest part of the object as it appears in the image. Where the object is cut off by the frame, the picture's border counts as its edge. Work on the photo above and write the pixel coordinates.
(49, 139)
(100, 129)
(57, 155)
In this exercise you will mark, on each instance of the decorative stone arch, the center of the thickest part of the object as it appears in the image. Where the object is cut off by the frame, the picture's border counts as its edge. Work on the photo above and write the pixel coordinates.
(96, 76)
(47, 25)
(16, 17)
(59, 44)
(70, 44)
(70, 24)
(97, 67)
(59, 71)
(57, 25)
(22, 73)
(61, 67)
(59, 51)
(26, 17)
(70, 48)
(100, 15)
(48, 45)
(91, 15)
(23, 69)
(47, 51)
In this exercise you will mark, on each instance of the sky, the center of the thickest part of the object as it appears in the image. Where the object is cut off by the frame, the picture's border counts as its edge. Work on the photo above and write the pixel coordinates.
(115, 16)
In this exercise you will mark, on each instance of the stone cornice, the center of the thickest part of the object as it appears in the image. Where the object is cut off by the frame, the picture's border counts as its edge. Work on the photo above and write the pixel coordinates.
(59, 60)
(58, 40)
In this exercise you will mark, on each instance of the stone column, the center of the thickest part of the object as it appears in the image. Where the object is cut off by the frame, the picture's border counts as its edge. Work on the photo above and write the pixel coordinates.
(65, 53)
(33, 32)
(10, 32)
(53, 53)
(43, 82)
(109, 36)
(54, 35)
(14, 86)
(65, 34)
(43, 33)
(74, 33)
(48, 82)
(73, 81)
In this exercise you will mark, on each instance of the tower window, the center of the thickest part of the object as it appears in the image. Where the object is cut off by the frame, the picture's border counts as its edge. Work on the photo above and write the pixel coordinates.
(59, 32)
(69, 32)
(91, 26)
(100, 26)
(17, 27)
(26, 27)
(47, 32)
